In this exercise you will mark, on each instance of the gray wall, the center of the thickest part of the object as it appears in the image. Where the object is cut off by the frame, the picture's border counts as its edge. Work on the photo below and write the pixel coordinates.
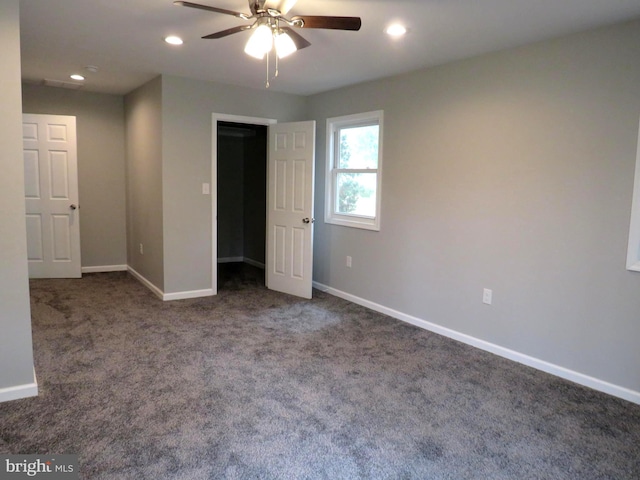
(143, 119)
(512, 171)
(186, 111)
(16, 355)
(101, 166)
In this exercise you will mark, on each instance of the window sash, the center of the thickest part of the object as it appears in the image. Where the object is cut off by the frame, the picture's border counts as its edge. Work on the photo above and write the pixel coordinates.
(337, 191)
(337, 141)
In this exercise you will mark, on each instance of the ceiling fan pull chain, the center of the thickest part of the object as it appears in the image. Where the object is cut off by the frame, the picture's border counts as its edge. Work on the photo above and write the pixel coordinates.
(275, 49)
(267, 83)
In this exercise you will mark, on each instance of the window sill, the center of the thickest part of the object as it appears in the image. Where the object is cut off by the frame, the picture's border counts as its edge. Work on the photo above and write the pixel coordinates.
(364, 224)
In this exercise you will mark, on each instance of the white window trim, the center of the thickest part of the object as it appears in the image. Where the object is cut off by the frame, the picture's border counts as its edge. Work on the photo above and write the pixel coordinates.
(633, 252)
(350, 220)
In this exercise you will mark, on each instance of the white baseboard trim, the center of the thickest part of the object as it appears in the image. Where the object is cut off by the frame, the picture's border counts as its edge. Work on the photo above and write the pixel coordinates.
(105, 268)
(254, 263)
(246, 260)
(20, 391)
(169, 296)
(562, 372)
(230, 259)
(189, 294)
(158, 293)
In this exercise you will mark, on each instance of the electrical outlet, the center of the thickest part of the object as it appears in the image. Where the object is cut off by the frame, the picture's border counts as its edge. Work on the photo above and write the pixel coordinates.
(348, 261)
(141, 250)
(487, 296)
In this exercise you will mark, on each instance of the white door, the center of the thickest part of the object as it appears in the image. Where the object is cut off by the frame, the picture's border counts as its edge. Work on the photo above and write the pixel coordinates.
(51, 191)
(290, 207)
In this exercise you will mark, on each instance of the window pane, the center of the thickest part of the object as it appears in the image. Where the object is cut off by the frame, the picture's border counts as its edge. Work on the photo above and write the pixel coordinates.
(356, 194)
(359, 147)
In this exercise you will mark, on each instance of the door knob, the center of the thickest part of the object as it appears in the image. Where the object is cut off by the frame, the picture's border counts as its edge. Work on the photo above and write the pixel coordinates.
(308, 220)
(73, 206)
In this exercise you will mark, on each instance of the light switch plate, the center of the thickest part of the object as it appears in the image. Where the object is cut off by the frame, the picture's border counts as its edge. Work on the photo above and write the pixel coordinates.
(487, 296)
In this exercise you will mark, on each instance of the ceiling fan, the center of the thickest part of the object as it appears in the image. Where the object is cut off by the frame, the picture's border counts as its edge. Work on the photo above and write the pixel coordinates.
(272, 29)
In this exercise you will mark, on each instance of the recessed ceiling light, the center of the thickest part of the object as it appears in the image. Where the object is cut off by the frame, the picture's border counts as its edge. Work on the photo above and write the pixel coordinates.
(75, 76)
(396, 30)
(91, 68)
(173, 40)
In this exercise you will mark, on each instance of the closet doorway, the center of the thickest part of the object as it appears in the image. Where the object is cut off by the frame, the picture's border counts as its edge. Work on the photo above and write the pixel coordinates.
(241, 203)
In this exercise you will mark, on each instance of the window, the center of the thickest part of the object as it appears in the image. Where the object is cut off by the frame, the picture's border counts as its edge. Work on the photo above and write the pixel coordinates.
(354, 170)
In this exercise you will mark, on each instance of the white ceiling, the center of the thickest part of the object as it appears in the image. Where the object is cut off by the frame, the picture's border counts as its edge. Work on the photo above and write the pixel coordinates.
(124, 39)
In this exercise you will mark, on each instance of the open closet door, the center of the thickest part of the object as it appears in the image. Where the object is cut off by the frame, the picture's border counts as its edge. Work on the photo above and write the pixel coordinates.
(290, 208)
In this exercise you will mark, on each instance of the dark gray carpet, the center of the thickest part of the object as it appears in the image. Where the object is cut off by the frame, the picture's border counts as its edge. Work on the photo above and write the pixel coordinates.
(256, 384)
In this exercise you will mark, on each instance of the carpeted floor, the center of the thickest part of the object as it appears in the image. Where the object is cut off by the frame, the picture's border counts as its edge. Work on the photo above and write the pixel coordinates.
(257, 384)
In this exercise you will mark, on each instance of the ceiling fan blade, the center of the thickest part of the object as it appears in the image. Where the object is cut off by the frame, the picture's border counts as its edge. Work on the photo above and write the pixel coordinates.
(298, 39)
(229, 31)
(334, 23)
(211, 9)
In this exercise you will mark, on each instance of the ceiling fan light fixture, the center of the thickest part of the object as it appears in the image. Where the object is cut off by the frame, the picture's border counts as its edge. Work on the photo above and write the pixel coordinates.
(285, 45)
(260, 42)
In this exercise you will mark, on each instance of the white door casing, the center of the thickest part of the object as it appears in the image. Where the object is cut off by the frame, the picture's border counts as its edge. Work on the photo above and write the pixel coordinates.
(215, 118)
(51, 195)
(290, 208)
